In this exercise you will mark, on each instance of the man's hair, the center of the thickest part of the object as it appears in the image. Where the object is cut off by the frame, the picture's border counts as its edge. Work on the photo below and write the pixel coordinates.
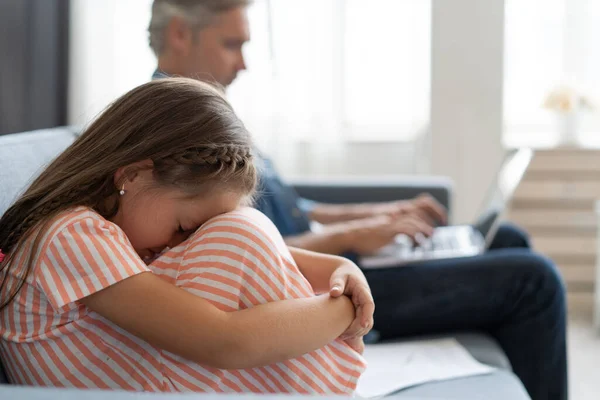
(197, 13)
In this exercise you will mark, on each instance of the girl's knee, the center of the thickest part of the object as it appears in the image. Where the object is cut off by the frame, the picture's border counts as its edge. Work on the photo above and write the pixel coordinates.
(234, 249)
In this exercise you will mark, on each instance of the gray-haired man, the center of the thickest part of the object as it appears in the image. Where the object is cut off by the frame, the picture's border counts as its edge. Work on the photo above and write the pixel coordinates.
(216, 54)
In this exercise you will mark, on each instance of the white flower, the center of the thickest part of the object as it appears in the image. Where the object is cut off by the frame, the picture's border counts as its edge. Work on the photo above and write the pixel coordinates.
(565, 99)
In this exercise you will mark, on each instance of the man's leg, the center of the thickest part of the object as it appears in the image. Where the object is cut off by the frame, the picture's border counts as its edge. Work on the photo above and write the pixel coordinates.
(510, 236)
(514, 295)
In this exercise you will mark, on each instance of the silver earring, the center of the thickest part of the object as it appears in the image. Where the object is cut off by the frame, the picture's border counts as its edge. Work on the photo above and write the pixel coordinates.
(122, 191)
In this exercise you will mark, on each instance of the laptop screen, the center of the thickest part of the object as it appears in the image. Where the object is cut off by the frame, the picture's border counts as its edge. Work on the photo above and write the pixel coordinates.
(501, 191)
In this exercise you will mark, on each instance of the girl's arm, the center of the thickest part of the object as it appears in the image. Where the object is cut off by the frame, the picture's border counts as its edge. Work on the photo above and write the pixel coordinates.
(338, 275)
(325, 272)
(177, 321)
(318, 268)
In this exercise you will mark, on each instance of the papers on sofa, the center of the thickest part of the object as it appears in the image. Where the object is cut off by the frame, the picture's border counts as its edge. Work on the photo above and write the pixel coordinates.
(395, 366)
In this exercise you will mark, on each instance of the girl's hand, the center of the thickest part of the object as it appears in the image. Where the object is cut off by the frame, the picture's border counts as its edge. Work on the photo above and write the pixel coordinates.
(349, 280)
(357, 344)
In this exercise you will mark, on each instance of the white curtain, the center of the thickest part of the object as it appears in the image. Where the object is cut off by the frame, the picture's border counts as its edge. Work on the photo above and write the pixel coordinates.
(323, 75)
(549, 43)
(337, 71)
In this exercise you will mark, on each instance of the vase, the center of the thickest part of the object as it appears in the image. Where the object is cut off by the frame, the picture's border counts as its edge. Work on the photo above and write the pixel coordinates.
(568, 127)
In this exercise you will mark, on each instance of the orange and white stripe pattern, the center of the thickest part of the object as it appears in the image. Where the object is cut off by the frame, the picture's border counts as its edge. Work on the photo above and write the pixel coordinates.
(235, 261)
(239, 260)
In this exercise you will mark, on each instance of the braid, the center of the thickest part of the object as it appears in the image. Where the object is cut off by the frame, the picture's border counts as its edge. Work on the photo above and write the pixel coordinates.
(215, 154)
(213, 164)
(222, 160)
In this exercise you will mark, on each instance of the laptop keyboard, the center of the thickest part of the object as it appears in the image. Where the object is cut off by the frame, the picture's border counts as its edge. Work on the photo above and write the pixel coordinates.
(453, 241)
(440, 241)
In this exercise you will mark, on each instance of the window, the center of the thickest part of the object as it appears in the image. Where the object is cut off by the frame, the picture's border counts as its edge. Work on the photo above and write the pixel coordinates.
(319, 70)
(350, 70)
(548, 43)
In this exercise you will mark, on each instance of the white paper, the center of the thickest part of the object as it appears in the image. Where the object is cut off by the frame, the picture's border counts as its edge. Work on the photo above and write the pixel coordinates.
(395, 366)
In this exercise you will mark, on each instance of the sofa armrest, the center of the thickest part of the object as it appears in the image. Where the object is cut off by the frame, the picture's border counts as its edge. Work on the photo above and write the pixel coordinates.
(360, 190)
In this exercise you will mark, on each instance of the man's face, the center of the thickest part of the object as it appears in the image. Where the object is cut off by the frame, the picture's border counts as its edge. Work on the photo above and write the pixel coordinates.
(216, 51)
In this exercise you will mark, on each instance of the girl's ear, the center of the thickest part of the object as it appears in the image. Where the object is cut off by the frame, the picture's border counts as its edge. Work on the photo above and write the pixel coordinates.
(131, 172)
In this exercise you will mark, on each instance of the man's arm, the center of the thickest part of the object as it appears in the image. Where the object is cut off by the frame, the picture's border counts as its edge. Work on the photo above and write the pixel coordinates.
(424, 206)
(331, 241)
(331, 213)
(363, 236)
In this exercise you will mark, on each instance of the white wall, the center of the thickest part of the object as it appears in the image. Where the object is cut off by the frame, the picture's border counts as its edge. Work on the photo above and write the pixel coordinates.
(466, 97)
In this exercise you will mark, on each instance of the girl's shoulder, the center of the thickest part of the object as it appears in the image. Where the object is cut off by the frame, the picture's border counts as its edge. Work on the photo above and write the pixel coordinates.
(77, 216)
(79, 253)
(75, 226)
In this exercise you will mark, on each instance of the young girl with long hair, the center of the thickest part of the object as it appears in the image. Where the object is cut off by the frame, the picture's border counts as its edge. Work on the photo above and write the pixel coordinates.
(107, 282)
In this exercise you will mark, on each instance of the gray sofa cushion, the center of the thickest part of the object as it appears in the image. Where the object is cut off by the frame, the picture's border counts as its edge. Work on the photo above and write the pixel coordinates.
(484, 349)
(501, 385)
(23, 156)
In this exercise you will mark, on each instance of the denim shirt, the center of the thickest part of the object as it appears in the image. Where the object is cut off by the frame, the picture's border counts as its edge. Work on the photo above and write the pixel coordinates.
(280, 202)
(158, 74)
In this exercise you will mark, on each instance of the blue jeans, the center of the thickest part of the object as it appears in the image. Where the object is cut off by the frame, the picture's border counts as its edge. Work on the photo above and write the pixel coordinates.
(510, 292)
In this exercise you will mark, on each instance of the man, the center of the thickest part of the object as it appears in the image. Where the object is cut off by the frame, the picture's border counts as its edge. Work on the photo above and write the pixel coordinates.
(510, 292)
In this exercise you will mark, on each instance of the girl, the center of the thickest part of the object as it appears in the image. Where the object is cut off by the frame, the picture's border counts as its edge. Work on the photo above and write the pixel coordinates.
(80, 308)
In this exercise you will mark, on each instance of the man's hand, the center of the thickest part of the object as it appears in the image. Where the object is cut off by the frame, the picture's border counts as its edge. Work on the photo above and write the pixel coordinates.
(349, 280)
(423, 206)
(368, 235)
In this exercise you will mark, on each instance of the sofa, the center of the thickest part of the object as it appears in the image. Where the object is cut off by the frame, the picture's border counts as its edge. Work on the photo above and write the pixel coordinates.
(23, 155)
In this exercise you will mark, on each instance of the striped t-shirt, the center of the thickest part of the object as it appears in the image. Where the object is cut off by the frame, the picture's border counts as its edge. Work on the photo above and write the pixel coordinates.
(235, 261)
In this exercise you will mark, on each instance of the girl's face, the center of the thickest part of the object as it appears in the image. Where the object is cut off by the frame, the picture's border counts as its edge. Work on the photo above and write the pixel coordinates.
(153, 219)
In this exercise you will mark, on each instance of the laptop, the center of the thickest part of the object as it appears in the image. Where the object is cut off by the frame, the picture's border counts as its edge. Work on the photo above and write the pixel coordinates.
(459, 240)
